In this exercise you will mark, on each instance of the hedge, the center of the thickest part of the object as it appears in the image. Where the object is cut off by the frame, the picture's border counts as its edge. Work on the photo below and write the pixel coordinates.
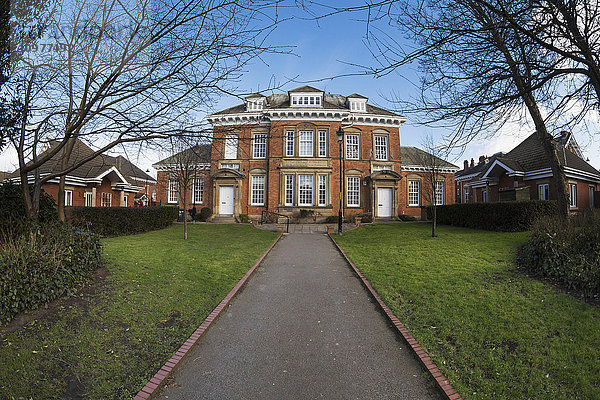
(118, 221)
(43, 264)
(565, 252)
(508, 216)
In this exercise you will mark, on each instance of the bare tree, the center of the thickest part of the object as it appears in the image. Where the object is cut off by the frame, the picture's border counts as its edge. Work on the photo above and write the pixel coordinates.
(187, 170)
(482, 62)
(112, 72)
(432, 161)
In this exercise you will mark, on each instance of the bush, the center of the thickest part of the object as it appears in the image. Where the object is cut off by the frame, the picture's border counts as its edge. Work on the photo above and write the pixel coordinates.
(508, 216)
(244, 218)
(403, 217)
(117, 221)
(40, 266)
(12, 206)
(565, 252)
(331, 219)
(204, 214)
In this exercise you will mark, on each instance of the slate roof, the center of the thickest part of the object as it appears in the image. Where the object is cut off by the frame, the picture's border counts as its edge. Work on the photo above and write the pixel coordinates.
(412, 156)
(93, 168)
(330, 102)
(199, 154)
(357, 96)
(529, 156)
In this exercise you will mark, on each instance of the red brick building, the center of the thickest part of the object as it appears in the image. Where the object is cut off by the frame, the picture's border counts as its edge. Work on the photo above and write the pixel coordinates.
(281, 153)
(105, 181)
(524, 174)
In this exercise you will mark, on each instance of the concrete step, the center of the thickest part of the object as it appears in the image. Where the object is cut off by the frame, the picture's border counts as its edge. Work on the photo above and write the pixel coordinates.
(223, 219)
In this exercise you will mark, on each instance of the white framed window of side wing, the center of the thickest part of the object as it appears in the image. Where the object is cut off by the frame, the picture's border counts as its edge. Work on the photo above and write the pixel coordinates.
(89, 199)
(231, 146)
(573, 195)
(68, 197)
(172, 187)
(414, 193)
(353, 191)
(544, 191)
(259, 145)
(198, 191)
(258, 190)
(289, 190)
(352, 147)
(439, 193)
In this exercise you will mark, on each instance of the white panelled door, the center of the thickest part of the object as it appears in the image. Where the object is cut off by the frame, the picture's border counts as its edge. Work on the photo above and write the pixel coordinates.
(384, 202)
(226, 200)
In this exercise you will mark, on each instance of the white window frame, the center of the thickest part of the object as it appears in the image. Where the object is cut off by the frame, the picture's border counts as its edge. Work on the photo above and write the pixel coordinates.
(353, 191)
(289, 190)
(89, 199)
(198, 191)
(257, 197)
(106, 201)
(172, 191)
(412, 192)
(289, 144)
(322, 191)
(439, 193)
(484, 195)
(304, 193)
(381, 149)
(544, 191)
(233, 166)
(303, 143)
(231, 147)
(573, 195)
(125, 198)
(352, 149)
(68, 197)
(259, 145)
(322, 143)
(591, 194)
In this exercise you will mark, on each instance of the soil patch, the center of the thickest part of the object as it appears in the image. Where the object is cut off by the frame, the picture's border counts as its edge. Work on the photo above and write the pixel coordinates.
(85, 294)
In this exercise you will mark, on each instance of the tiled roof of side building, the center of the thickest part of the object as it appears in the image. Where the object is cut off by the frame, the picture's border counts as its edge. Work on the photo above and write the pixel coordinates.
(93, 168)
(412, 156)
(197, 154)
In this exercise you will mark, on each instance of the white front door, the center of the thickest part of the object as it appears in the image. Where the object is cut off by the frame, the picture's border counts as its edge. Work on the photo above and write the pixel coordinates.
(226, 200)
(384, 202)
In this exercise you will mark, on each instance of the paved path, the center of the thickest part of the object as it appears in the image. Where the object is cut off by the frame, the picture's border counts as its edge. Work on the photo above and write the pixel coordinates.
(304, 228)
(303, 327)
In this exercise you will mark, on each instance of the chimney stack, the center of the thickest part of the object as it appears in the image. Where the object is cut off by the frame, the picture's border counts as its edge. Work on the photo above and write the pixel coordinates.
(481, 159)
(472, 163)
(466, 165)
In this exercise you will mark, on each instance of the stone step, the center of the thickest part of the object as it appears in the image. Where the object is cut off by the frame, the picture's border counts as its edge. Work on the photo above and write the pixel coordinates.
(223, 219)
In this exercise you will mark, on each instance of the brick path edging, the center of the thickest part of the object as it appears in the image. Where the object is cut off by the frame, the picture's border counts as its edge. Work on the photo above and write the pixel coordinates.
(158, 380)
(441, 381)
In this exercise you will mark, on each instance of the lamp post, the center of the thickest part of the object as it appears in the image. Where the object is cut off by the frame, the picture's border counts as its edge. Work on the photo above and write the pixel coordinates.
(146, 187)
(340, 136)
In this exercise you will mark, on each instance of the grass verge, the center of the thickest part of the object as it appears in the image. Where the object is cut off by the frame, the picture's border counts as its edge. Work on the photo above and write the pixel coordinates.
(107, 344)
(494, 332)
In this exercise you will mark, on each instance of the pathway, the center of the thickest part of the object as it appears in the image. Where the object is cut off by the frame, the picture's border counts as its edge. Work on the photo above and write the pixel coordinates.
(303, 327)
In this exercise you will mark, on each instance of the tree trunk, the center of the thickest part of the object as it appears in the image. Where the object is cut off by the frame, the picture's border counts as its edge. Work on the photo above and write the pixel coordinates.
(64, 163)
(434, 221)
(185, 233)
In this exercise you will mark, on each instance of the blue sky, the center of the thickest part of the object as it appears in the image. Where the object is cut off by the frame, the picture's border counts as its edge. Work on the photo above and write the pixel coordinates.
(323, 51)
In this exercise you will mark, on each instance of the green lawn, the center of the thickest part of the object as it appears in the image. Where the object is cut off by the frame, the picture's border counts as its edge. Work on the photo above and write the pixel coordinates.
(495, 333)
(108, 344)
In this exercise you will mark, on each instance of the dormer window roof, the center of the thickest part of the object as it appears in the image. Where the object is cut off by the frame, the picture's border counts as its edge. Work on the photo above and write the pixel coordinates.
(357, 103)
(306, 96)
(255, 102)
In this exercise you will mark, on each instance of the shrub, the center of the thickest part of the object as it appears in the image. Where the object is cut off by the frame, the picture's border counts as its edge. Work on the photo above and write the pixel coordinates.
(117, 221)
(244, 218)
(508, 216)
(12, 206)
(43, 264)
(565, 252)
(331, 219)
(403, 217)
(204, 214)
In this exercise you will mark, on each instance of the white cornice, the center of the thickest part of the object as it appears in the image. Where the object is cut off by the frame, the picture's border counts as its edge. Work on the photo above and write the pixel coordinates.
(174, 167)
(420, 168)
(306, 114)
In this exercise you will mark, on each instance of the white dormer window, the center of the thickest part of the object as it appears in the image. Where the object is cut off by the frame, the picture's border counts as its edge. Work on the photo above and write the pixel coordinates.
(305, 100)
(255, 105)
(358, 105)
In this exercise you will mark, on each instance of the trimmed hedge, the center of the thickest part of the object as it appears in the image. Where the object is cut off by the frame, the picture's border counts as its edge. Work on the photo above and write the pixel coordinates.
(565, 252)
(44, 263)
(118, 221)
(507, 216)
